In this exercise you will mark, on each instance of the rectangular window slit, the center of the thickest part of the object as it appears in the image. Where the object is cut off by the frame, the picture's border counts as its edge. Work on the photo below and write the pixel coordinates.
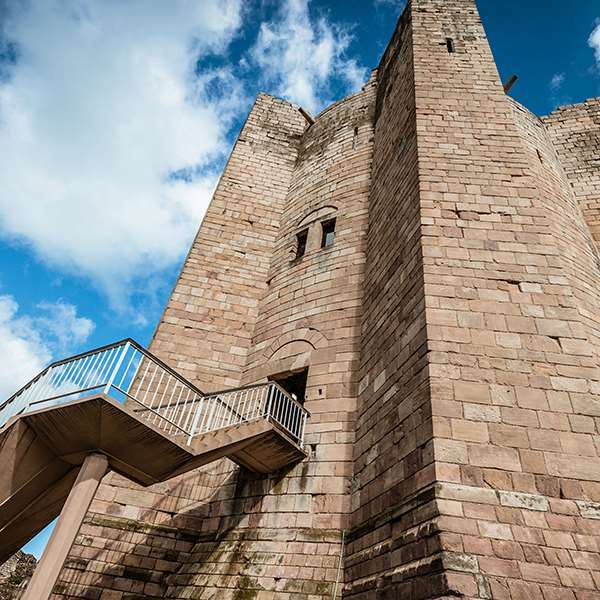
(328, 233)
(450, 45)
(301, 239)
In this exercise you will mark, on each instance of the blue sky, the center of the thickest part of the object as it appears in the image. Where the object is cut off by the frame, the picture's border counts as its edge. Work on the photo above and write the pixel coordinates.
(116, 118)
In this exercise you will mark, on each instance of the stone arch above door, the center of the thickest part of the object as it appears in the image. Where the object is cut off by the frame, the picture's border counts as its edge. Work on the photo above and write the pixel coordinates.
(312, 339)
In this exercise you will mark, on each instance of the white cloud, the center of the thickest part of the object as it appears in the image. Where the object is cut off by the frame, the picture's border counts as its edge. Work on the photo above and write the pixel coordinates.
(300, 56)
(22, 352)
(594, 42)
(61, 322)
(29, 343)
(557, 81)
(102, 105)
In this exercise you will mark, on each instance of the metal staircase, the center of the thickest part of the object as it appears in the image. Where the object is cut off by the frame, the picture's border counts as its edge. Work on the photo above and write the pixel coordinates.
(121, 407)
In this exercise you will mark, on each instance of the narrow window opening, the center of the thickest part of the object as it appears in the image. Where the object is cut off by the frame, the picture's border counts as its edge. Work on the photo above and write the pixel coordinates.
(450, 45)
(301, 239)
(294, 384)
(328, 233)
(355, 139)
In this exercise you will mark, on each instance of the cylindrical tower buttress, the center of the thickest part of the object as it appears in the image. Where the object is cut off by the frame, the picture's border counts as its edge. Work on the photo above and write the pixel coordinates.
(286, 530)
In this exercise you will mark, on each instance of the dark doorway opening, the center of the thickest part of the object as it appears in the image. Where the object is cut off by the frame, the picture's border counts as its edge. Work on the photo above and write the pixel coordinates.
(294, 384)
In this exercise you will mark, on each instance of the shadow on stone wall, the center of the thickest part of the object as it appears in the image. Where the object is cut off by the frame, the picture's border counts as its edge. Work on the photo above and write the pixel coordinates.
(194, 545)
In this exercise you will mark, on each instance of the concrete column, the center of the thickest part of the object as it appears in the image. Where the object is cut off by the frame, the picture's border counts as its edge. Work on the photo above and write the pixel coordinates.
(93, 469)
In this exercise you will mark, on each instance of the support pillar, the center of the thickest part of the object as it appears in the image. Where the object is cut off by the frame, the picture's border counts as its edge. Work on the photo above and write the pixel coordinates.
(71, 517)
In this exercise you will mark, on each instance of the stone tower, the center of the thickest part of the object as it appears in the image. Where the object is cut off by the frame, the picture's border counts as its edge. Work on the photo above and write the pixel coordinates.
(422, 264)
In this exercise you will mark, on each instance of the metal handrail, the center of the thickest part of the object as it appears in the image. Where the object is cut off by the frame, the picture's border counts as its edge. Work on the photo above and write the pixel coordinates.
(98, 350)
(253, 385)
(292, 416)
(156, 413)
(127, 372)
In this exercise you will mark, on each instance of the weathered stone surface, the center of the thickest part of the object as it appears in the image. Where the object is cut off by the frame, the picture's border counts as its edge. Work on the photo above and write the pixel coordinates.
(14, 575)
(525, 501)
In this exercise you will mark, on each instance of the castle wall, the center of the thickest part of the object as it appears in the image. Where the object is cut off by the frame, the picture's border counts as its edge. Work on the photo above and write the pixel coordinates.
(206, 329)
(498, 407)
(391, 538)
(283, 534)
(575, 133)
(510, 336)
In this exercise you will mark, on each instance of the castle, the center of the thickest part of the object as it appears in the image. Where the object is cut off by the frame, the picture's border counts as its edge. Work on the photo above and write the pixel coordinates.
(419, 265)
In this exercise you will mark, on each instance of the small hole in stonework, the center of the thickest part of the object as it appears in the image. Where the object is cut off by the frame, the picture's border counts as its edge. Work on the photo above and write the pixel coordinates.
(450, 45)
(511, 281)
(355, 139)
(313, 447)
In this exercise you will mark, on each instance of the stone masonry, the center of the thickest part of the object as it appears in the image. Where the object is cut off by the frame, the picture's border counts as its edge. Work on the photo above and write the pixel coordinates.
(451, 335)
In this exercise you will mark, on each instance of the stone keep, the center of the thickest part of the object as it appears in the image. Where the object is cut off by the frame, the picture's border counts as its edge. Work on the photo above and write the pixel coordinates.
(451, 335)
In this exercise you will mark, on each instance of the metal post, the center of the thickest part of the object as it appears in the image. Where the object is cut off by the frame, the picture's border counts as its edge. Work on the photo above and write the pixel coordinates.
(116, 369)
(194, 426)
(302, 430)
(71, 517)
(269, 398)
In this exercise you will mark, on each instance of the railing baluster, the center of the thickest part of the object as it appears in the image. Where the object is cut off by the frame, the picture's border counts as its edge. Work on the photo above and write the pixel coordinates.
(141, 381)
(206, 407)
(157, 391)
(67, 368)
(94, 370)
(51, 383)
(80, 370)
(109, 373)
(106, 367)
(188, 414)
(177, 404)
(149, 385)
(113, 373)
(170, 402)
(89, 369)
(127, 367)
(41, 387)
(193, 428)
(29, 393)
